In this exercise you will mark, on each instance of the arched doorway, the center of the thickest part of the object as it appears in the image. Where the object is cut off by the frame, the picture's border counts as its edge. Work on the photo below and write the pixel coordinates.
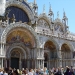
(15, 57)
(51, 54)
(20, 37)
(66, 55)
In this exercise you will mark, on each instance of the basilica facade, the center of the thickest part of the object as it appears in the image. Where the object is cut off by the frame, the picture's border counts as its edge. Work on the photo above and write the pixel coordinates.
(29, 40)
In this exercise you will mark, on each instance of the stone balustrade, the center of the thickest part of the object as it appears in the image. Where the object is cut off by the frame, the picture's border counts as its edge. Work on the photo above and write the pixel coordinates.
(47, 32)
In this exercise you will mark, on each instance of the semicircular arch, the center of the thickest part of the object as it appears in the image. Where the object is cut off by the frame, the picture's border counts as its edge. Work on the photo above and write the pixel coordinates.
(45, 18)
(69, 45)
(12, 26)
(23, 7)
(8, 52)
(54, 43)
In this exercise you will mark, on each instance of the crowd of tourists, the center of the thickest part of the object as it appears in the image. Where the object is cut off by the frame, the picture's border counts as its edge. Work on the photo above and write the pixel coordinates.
(54, 71)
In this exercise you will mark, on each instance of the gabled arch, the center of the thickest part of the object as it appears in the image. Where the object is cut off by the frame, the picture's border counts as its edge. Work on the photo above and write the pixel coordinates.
(58, 21)
(44, 16)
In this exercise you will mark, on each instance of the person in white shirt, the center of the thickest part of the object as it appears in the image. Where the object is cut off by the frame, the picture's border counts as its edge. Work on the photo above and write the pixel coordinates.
(6, 71)
(30, 72)
(1, 72)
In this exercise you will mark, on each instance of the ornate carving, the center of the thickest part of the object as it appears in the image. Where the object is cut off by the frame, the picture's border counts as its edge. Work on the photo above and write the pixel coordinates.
(43, 23)
(12, 26)
(15, 54)
(22, 6)
(58, 27)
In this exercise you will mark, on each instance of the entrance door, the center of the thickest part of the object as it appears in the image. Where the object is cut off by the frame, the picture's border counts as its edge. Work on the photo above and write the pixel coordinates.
(15, 63)
(45, 64)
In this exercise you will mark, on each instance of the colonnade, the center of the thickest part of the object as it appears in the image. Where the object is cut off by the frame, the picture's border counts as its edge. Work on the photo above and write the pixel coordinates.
(36, 60)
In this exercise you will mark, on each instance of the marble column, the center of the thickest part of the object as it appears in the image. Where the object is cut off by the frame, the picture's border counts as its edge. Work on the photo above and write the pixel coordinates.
(2, 52)
(2, 62)
(10, 62)
(57, 63)
(48, 64)
(71, 62)
(35, 64)
(28, 64)
(43, 63)
(60, 63)
(39, 63)
(1, 49)
(5, 63)
(20, 66)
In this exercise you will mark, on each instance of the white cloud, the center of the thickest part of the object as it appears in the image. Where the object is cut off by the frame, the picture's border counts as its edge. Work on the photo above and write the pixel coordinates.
(2, 7)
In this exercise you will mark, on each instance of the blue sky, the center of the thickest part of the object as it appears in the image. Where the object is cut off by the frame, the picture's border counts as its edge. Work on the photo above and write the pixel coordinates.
(59, 5)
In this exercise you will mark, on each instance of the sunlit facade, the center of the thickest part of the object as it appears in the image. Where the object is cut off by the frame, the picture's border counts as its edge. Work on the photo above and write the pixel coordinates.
(29, 40)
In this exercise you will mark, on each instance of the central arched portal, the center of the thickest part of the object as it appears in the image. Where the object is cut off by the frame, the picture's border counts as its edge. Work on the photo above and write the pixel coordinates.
(16, 56)
(19, 47)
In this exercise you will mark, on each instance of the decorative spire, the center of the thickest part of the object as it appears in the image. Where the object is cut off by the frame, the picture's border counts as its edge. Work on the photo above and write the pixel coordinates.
(64, 16)
(35, 8)
(34, 1)
(44, 8)
(58, 14)
(50, 11)
(65, 21)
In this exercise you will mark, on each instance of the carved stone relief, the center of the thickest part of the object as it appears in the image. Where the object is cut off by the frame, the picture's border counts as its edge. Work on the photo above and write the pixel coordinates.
(43, 23)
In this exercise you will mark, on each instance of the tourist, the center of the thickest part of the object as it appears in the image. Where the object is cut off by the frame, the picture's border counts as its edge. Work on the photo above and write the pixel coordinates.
(58, 72)
(6, 70)
(45, 73)
(15, 72)
(67, 72)
(30, 72)
(1, 72)
(24, 72)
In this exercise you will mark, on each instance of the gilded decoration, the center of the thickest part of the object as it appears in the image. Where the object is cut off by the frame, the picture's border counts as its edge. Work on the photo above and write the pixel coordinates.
(49, 45)
(20, 36)
(15, 54)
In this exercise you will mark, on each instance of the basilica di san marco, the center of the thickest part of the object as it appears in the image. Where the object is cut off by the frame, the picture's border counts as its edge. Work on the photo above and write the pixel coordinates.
(30, 40)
